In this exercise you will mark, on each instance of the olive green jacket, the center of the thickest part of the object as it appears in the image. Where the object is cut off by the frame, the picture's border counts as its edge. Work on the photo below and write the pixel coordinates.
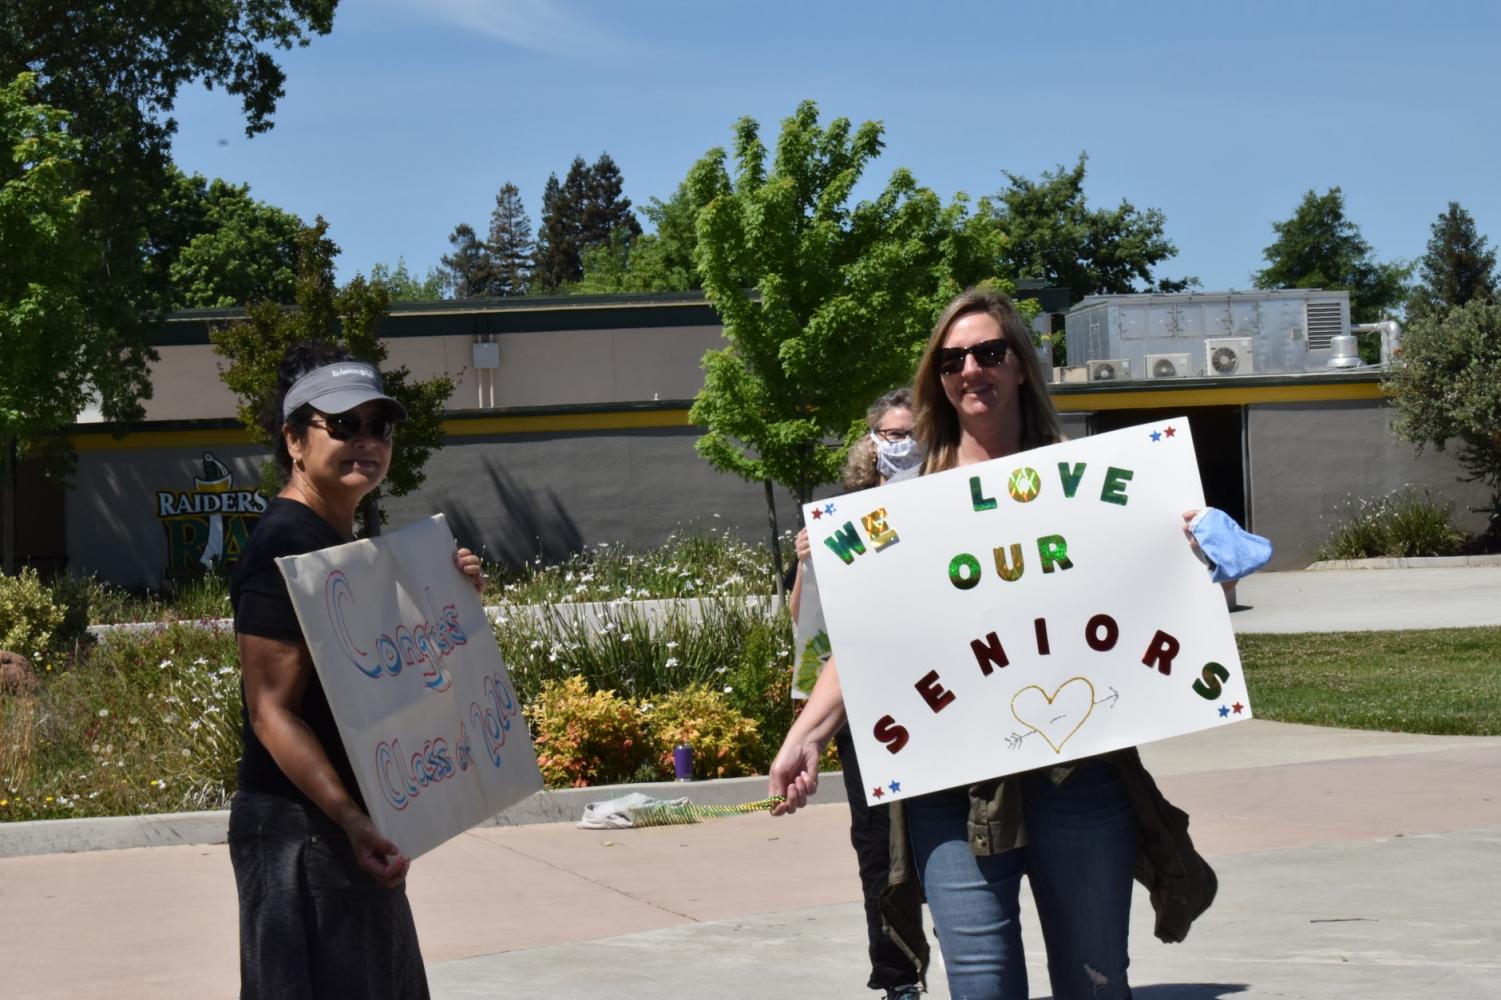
(1181, 883)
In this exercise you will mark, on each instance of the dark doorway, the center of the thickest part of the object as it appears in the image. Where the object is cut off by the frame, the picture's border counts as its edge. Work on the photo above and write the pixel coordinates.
(1218, 445)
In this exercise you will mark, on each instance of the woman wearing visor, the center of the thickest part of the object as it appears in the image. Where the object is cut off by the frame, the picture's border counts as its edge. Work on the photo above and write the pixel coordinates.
(323, 908)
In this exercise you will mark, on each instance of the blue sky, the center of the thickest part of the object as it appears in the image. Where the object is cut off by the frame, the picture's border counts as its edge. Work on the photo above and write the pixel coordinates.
(406, 119)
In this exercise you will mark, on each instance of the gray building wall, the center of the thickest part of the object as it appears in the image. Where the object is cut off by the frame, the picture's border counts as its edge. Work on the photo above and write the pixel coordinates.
(1307, 459)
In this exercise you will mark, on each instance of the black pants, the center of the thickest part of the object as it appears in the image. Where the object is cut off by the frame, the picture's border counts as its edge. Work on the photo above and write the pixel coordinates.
(312, 924)
(870, 833)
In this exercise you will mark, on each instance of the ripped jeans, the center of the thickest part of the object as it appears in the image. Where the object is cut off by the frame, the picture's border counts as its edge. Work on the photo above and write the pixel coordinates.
(1079, 861)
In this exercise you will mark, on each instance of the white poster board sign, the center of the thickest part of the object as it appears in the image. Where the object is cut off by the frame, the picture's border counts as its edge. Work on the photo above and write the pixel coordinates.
(415, 681)
(1023, 612)
(810, 639)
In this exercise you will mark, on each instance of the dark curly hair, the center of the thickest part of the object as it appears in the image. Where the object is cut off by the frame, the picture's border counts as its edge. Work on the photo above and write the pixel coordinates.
(300, 359)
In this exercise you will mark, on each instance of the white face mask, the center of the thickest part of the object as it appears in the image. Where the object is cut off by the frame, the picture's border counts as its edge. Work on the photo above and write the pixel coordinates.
(895, 456)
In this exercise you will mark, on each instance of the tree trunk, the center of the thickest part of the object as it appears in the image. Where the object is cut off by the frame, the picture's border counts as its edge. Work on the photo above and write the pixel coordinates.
(8, 462)
(776, 548)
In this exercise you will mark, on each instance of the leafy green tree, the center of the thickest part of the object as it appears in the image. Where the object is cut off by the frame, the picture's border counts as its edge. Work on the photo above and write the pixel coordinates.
(1457, 267)
(659, 261)
(470, 271)
(50, 359)
(1320, 248)
(233, 250)
(825, 305)
(1053, 234)
(1446, 385)
(403, 286)
(511, 245)
(116, 68)
(349, 317)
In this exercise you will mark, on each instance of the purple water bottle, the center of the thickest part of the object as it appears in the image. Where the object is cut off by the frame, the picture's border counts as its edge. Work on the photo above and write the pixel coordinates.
(682, 762)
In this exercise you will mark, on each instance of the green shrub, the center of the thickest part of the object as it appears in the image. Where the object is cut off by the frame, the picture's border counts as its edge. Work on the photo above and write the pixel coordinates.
(29, 619)
(585, 737)
(724, 742)
(1406, 523)
(144, 723)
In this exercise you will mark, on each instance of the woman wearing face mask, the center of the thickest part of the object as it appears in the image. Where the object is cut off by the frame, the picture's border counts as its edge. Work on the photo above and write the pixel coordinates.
(1073, 830)
(323, 908)
(887, 450)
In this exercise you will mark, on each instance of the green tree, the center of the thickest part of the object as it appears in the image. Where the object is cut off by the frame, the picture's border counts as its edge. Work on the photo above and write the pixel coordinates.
(116, 69)
(824, 305)
(511, 245)
(351, 318)
(1446, 385)
(231, 249)
(50, 358)
(469, 272)
(403, 286)
(1320, 248)
(1456, 269)
(1053, 234)
(585, 213)
(659, 261)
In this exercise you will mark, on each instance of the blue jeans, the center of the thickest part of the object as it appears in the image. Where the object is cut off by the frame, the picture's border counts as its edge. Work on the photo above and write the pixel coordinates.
(1079, 860)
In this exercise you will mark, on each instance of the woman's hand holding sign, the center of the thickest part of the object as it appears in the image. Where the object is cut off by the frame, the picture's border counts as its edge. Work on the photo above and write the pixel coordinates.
(468, 563)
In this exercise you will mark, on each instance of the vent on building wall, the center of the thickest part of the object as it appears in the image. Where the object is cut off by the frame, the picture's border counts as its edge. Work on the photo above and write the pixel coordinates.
(1167, 366)
(1323, 325)
(1228, 356)
(1110, 370)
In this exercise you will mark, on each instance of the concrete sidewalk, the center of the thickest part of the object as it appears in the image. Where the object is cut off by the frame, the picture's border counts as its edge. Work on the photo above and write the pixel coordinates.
(1351, 864)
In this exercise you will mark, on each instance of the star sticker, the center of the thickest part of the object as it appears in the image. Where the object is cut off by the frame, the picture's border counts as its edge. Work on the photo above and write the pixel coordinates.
(828, 508)
(895, 786)
(817, 513)
(1238, 708)
(1170, 431)
(1156, 435)
(1224, 711)
(878, 791)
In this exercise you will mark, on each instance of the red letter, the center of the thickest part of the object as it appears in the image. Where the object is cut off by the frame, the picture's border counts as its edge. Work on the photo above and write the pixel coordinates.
(933, 692)
(987, 651)
(888, 732)
(1160, 651)
(1101, 643)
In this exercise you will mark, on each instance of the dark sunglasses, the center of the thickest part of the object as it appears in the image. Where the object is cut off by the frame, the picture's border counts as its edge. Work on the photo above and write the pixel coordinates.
(348, 426)
(988, 354)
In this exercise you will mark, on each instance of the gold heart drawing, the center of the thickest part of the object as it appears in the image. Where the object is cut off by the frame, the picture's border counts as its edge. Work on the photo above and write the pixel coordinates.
(1050, 715)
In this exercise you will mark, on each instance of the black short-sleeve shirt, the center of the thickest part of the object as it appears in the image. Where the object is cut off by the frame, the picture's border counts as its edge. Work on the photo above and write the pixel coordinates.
(263, 607)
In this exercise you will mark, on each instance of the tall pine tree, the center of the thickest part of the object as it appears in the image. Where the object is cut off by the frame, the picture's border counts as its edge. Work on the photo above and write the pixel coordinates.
(583, 213)
(1457, 267)
(470, 271)
(607, 212)
(511, 244)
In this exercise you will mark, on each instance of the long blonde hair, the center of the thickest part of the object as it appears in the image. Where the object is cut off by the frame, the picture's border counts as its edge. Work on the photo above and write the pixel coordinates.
(935, 423)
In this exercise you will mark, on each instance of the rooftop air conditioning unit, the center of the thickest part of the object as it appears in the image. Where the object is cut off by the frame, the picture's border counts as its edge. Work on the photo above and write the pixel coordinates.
(1110, 370)
(1228, 356)
(1167, 366)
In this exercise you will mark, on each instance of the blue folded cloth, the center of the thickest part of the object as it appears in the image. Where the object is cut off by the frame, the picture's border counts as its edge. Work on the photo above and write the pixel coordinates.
(1230, 550)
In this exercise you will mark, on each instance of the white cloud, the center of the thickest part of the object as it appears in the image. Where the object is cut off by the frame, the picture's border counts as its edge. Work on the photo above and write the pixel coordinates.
(540, 25)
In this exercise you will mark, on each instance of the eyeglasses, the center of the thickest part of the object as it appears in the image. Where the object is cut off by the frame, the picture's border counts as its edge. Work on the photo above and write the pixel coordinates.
(348, 426)
(893, 433)
(988, 354)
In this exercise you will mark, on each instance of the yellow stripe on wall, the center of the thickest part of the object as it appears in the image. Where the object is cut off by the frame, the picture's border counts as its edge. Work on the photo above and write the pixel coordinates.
(1128, 399)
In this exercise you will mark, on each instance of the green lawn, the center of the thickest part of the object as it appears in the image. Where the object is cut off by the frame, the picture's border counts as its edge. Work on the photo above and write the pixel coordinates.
(1435, 681)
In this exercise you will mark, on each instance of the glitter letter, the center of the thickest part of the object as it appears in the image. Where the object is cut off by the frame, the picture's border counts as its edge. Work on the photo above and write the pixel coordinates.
(989, 653)
(1101, 643)
(1053, 549)
(935, 694)
(978, 497)
(1160, 651)
(845, 542)
(880, 533)
(964, 571)
(888, 732)
(1114, 490)
(1070, 478)
(1040, 626)
(1209, 687)
(1013, 572)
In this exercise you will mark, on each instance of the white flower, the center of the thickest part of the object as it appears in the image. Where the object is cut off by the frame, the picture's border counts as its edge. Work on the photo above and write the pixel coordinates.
(201, 661)
(672, 644)
(721, 670)
(625, 636)
(672, 661)
(164, 665)
(728, 689)
(104, 713)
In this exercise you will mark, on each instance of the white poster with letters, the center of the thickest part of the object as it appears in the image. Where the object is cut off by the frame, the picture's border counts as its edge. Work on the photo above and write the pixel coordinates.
(421, 696)
(1025, 611)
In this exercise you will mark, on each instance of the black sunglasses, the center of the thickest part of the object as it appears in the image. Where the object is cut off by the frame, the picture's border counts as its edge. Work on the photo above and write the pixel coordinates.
(988, 354)
(348, 426)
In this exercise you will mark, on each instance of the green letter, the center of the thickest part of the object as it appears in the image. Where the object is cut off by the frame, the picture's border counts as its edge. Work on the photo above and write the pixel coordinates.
(1114, 490)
